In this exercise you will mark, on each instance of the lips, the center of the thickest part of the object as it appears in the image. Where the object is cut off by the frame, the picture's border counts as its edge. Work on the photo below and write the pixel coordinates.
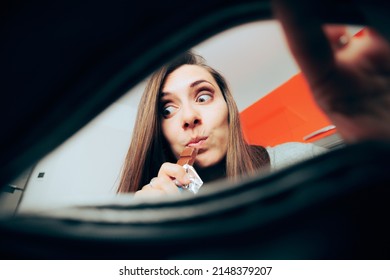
(196, 142)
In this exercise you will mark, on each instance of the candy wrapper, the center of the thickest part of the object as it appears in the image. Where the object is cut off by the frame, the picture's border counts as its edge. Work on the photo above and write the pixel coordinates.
(196, 183)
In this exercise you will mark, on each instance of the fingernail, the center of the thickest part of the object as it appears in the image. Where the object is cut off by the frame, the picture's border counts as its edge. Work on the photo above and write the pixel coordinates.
(359, 34)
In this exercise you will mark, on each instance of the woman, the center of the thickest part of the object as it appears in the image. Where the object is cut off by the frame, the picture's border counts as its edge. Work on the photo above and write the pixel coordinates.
(188, 104)
(349, 79)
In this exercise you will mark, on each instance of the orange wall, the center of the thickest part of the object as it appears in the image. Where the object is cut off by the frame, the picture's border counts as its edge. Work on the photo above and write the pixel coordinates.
(286, 114)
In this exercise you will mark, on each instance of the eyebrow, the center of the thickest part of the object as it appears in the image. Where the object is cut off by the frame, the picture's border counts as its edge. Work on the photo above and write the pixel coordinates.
(199, 82)
(192, 85)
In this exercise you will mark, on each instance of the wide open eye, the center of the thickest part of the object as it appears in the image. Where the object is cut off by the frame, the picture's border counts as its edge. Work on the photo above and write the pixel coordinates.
(203, 98)
(168, 110)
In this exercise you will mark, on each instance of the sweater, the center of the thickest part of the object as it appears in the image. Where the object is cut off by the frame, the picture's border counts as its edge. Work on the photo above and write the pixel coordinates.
(287, 154)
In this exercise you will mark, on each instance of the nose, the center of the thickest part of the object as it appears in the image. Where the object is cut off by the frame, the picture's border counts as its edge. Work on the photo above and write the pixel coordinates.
(191, 117)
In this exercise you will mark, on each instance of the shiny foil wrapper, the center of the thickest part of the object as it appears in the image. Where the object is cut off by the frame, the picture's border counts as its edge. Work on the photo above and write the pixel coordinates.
(196, 183)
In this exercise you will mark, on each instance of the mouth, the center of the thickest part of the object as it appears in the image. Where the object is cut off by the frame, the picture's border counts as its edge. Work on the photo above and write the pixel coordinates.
(196, 142)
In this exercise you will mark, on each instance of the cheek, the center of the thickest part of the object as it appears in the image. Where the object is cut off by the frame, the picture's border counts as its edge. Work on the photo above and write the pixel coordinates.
(225, 129)
(169, 131)
(221, 117)
(220, 125)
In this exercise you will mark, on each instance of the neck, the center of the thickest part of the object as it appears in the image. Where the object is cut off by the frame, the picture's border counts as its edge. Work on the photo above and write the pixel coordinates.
(214, 172)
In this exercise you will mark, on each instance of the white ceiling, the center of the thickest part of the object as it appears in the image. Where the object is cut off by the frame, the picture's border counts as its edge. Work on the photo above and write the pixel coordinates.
(253, 57)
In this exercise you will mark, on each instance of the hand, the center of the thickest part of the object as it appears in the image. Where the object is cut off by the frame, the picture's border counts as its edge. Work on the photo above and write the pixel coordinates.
(349, 76)
(164, 183)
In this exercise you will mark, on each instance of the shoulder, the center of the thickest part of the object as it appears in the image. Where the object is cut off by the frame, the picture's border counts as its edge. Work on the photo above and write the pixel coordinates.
(289, 153)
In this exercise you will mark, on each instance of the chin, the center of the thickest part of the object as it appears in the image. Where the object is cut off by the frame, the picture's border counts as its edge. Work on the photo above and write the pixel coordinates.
(205, 160)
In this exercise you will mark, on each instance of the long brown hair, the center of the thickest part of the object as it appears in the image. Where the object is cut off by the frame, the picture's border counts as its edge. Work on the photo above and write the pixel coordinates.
(149, 149)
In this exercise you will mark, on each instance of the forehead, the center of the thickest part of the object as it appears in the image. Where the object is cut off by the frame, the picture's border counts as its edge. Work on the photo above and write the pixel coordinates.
(184, 76)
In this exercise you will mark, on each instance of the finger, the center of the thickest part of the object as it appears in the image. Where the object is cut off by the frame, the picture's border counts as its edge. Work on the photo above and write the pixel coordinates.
(305, 37)
(148, 191)
(174, 171)
(377, 48)
(165, 185)
(338, 36)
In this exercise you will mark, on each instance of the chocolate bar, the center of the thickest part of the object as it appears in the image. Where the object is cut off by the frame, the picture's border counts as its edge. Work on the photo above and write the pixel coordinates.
(187, 156)
(187, 159)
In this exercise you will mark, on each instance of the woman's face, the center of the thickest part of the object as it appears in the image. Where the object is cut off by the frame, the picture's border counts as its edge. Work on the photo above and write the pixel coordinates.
(195, 114)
